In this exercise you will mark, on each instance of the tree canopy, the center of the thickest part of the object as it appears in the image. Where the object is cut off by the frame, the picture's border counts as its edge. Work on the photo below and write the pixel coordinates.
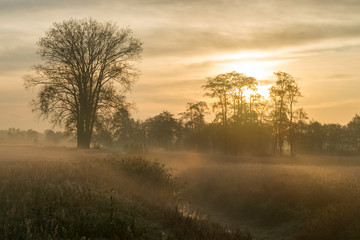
(229, 89)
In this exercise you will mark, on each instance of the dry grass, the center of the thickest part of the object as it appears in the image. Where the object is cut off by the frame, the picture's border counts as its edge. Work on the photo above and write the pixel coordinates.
(283, 198)
(69, 194)
(63, 193)
(279, 201)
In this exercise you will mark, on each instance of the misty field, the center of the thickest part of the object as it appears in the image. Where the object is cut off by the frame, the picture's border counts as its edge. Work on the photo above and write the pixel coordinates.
(60, 193)
(63, 193)
(309, 197)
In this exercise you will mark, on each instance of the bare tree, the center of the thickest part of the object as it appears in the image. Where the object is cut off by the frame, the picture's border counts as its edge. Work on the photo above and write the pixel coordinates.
(83, 61)
(284, 95)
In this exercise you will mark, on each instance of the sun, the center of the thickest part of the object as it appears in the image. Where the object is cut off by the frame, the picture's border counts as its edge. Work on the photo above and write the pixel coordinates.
(257, 69)
(258, 64)
(261, 70)
(263, 90)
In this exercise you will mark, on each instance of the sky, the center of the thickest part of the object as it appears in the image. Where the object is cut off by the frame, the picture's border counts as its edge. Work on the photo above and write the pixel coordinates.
(317, 42)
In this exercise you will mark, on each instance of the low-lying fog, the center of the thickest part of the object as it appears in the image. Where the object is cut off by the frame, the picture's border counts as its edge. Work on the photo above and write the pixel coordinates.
(273, 198)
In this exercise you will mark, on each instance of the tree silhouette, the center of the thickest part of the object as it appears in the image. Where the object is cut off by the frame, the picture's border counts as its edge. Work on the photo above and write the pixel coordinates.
(229, 90)
(293, 95)
(194, 122)
(219, 87)
(239, 84)
(194, 115)
(163, 129)
(83, 59)
(284, 95)
(354, 133)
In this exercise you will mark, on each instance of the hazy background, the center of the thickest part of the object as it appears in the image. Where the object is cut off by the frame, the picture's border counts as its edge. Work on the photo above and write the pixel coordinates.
(187, 41)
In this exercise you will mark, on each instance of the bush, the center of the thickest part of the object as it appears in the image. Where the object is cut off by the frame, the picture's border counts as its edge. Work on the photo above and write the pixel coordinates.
(147, 171)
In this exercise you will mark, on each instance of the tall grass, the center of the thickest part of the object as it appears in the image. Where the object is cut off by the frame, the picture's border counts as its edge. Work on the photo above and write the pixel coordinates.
(286, 201)
(108, 198)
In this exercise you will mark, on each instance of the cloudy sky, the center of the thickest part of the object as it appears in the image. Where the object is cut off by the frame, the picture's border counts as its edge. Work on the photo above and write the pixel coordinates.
(318, 42)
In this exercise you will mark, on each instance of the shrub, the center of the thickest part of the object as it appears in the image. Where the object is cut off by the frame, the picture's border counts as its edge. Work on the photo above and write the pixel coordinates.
(146, 170)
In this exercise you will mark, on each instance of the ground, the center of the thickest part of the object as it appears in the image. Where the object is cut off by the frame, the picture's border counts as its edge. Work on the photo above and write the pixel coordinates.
(307, 197)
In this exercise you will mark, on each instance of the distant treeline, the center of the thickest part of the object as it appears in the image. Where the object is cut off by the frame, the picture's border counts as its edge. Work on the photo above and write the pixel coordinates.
(256, 138)
(48, 137)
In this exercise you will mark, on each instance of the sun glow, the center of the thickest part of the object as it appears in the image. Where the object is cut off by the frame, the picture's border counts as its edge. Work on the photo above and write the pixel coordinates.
(262, 90)
(257, 69)
(259, 65)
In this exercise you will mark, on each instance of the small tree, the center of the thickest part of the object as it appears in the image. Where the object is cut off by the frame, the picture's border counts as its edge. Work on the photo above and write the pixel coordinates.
(83, 59)
(194, 115)
(194, 122)
(163, 129)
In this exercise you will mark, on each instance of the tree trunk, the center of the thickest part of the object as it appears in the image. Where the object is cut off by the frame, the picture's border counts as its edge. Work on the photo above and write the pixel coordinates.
(83, 140)
(83, 136)
(280, 142)
(292, 147)
(291, 140)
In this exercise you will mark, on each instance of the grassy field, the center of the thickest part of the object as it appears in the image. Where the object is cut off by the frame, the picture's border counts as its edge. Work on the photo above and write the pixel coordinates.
(64, 193)
(309, 197)
(60, 193)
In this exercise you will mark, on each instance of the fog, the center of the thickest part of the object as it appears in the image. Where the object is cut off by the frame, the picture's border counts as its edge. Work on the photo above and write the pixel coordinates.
(273, 197)
(270, 197)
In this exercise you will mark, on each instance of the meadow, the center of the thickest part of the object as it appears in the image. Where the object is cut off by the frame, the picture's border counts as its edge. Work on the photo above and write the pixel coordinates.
(302, 198)
(64, 193)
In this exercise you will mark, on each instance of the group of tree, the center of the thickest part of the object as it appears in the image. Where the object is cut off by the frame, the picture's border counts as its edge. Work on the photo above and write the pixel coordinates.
(190, 131)
(314, 137)
(88, 68)
(30, 136)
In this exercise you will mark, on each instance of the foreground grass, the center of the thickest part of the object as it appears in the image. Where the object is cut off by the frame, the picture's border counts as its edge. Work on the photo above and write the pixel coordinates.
(280, 200)
(71, 194)
(111, 198)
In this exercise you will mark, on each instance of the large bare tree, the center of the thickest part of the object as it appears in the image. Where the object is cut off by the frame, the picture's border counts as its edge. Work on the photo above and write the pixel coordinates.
(86, 69)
